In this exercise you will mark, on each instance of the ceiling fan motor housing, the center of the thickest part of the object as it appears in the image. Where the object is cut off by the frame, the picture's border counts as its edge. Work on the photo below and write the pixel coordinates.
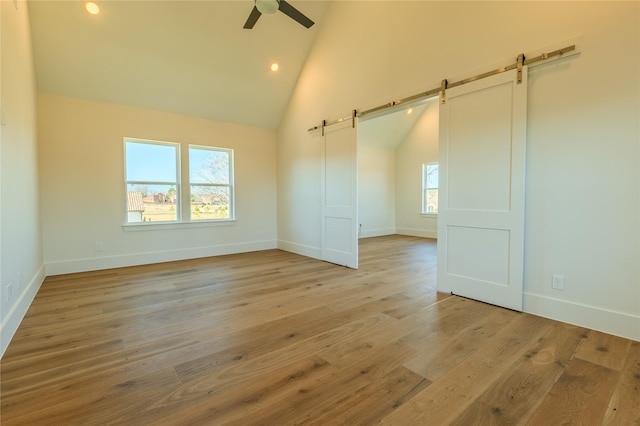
(267, 6)
(272, 6)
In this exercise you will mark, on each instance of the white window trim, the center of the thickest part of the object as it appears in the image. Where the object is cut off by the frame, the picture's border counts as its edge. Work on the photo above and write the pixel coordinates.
(156, 226)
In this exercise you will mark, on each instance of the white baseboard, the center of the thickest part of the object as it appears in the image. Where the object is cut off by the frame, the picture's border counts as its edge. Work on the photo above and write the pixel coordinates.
(616, 323)
(17, 312)
(424, 233)
(368, 233)
(301, 249)
(108, 262)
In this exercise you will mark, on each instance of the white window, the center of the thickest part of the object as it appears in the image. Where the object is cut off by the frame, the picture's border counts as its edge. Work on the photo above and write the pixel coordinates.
(211, 181)
(153, 182)
(430, 188)
(152, 177)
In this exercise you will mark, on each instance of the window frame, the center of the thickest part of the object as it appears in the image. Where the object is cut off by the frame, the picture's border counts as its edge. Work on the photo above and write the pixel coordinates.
(426, 188)
(183, 197)
(230, 185)
(177, 183)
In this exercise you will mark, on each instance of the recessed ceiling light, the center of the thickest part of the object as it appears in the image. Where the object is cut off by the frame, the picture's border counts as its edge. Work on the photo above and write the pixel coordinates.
(92, 8)
(274, 67)
(410, 110)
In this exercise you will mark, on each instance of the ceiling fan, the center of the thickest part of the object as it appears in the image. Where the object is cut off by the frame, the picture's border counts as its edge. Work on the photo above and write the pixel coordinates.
(272, 6)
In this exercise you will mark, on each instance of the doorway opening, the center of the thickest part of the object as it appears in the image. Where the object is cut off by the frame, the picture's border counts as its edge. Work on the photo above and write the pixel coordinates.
(393, 151)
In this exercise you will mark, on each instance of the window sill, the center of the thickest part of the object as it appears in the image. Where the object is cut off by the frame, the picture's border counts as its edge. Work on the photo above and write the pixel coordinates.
(131, 227)
(431, 215)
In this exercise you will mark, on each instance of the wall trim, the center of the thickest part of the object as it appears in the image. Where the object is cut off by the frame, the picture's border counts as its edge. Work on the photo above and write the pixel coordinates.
(606, 321)
(134, 259)
(368, 233)
(413, 232)
(12, 320)
(301, 249)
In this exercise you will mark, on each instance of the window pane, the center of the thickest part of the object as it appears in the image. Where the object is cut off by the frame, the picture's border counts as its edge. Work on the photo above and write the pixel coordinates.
(430, 188)
(208, 166)
(151, 203)
(432, 176)
(210, 202)
(432, 201)
(151, 162)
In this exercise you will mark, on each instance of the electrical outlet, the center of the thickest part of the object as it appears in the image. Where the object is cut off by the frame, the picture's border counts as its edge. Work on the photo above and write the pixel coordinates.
(99, 246)
(557, 282)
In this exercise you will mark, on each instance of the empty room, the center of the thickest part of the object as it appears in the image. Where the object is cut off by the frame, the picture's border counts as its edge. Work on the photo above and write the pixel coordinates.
(270, 212)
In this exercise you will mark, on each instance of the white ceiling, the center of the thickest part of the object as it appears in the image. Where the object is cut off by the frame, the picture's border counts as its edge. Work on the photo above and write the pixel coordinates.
(186, 57)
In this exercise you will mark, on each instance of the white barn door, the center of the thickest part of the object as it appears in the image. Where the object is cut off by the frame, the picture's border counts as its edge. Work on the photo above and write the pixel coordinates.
(482, 176)
(339, 230)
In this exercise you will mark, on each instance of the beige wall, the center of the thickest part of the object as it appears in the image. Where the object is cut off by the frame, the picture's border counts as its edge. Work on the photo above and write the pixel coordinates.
(83, 194)
(376, 190)
(21, 247)
(583, 173)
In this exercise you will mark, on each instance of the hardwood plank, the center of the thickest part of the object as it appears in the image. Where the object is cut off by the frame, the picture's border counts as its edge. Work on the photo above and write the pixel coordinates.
(624, 406)
(604, 349)
(102, 403)
(238, 399)
(57, 336)
(55, 315)
(255, 341)
(369, 404)
(335, 391)
(200, 389)
(453, 392)
(435, 326)
(415, 304)
(580, 396)
(521, 388)
(19, 368)
(140, 360)
(286, 342)
(470, 334)
(346, 352)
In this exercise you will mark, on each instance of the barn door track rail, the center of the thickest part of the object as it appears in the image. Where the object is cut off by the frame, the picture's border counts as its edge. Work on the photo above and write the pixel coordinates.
(521, 61)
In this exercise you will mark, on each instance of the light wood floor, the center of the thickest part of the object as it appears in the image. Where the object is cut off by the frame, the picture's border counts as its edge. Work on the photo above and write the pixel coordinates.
(272, 338)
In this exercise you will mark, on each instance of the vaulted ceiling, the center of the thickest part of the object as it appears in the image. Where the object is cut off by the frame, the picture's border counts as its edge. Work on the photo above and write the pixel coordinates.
(388, 131)
(186, 57)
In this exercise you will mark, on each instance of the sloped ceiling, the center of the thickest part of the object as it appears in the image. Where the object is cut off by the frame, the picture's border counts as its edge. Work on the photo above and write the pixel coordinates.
(186, 57)
(389, 130)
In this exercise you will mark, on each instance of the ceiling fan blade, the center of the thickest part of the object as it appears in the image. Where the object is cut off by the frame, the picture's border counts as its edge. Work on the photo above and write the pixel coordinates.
(252, 19)
(295, 14)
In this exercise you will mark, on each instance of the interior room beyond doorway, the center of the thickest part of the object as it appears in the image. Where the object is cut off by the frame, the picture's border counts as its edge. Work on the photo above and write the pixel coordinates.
(392, 149)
